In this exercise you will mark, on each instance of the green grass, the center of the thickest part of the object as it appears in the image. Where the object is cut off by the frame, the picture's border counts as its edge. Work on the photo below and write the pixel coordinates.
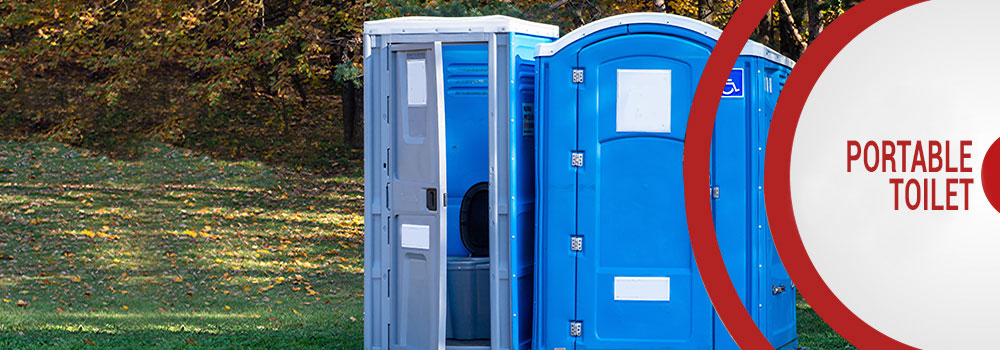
(175, 250)
(813, 332)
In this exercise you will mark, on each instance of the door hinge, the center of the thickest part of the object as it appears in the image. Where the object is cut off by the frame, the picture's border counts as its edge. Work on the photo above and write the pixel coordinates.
(575, 328)
(576, 244)
(577, 76)
(576, 159)
(715, 192)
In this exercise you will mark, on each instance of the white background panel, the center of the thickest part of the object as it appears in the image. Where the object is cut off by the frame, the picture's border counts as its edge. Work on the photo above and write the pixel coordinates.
(926, 278)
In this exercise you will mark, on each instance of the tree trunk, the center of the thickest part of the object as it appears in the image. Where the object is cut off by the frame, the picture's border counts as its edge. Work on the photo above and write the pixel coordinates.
(782, 39)
(351, 101)
(705, 11)
(660, 5)
(767, 30)
(359, 119)
(300, 90)
(352, 114)
(792, 27)
(815, 22)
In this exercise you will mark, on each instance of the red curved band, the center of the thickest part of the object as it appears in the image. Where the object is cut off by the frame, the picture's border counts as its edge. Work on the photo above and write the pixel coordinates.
(991, 175)
(777, 191)
(777, 172)
(697, 155)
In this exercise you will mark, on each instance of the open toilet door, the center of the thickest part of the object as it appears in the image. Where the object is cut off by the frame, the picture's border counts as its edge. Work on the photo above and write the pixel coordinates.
(417, 198)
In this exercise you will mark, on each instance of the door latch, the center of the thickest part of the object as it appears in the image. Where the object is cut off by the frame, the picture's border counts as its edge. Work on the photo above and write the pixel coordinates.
(775, 290)
(432, 199)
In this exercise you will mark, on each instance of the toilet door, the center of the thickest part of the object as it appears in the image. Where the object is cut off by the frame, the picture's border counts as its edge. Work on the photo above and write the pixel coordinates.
(637, 283)
(417, 189)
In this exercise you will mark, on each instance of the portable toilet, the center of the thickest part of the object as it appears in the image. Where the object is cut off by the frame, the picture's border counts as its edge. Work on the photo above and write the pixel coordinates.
(614, 263)
(449, 181)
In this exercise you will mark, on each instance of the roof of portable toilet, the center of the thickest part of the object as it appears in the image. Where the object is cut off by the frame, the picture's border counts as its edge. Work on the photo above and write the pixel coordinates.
(752, 48)
(481, 24)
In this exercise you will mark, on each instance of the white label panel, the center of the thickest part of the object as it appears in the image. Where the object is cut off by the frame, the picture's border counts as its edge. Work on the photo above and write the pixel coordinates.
(642, 288)
(416, 82)
(415, 236)
(643, 100)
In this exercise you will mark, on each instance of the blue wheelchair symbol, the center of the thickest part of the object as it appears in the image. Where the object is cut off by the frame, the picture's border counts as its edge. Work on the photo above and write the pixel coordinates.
(734, 86)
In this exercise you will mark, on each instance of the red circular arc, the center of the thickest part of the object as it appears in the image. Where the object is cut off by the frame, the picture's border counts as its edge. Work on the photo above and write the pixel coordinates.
(778, 197)
(697, 155)
(991, 175)
(696, 174)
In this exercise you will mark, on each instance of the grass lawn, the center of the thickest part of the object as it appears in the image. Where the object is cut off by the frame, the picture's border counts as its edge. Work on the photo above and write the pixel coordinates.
(175, 250)
(813, 332)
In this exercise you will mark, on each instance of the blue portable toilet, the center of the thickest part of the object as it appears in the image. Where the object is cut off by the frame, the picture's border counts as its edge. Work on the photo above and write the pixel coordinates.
(449, 182)
(614, 263)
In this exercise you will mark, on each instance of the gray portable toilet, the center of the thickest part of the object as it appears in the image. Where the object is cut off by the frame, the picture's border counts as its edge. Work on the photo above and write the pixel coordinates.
(449, 182)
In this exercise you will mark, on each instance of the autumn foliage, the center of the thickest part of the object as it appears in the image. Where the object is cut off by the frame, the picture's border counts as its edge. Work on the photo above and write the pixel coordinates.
(232, 77)
(273, 80)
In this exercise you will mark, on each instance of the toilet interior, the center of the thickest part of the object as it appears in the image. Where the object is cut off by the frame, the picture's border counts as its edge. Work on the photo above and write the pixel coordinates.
(468, 238)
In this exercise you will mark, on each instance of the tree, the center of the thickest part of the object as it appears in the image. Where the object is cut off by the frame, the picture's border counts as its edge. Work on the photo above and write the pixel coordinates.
(79, 71)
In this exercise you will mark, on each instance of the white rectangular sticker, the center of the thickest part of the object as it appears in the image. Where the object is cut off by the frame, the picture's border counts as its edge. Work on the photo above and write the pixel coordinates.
(416, 82)
(642, 288)
(415, 236)
(643, 100)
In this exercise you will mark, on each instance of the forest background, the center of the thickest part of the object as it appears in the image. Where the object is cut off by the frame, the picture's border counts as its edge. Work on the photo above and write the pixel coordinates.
(277, 80)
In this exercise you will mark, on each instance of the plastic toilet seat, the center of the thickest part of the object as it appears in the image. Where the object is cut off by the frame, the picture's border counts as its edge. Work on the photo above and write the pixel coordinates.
(474, 220)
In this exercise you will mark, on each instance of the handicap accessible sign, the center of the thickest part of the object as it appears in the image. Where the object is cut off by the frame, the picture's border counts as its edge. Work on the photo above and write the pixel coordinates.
(734, 86)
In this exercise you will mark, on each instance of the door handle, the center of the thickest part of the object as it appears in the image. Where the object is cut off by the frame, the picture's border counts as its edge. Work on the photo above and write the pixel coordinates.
(775, 290)
(432, 199)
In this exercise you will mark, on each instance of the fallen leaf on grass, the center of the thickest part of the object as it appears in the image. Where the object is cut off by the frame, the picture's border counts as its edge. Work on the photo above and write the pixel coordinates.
(22, 303)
